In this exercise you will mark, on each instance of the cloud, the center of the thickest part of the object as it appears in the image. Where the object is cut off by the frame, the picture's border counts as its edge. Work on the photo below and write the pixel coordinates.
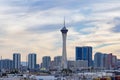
(116, 28)
(34, 26)
(44, 29)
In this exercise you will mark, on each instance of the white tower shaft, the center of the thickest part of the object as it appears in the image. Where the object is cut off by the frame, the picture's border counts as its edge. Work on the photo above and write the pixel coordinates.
(64, 55)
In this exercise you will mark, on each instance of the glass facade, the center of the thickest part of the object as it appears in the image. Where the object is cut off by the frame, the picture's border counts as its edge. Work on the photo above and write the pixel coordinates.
(46, 62)
(79, 53)
(84, 53)
(97, 59)
(32, 61)
(6, 64)
(16, 60)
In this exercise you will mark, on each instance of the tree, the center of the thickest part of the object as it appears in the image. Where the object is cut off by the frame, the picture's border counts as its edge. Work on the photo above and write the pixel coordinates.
(66, 71)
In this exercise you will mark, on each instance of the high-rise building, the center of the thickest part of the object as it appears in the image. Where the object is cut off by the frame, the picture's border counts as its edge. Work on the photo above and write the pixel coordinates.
(79, 53)
(84, 53)
(109, 61)
(114, 61)
(46, 60)
(16, 60)
(6, 64)
(105, 61)
(57, 60)
(64, 53)
(118, 63)
(101, 60)
(32, 61)
(98, 59)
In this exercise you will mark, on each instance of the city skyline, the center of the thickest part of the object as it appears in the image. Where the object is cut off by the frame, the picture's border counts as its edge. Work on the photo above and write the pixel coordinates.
(29, 26)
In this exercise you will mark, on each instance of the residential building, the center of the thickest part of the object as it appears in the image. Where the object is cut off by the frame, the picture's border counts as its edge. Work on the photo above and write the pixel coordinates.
(16, 60)
(32, 57)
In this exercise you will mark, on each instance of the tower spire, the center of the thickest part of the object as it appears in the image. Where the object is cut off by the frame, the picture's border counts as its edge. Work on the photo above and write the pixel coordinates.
(64, 21)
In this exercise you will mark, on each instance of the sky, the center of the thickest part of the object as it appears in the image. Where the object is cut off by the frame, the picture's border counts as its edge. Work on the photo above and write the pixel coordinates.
(33, 26)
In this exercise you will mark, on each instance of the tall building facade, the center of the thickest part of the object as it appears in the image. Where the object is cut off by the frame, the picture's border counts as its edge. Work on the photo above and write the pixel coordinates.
(114, 61)
(79, 53)
(98, 60)
(16, 60)
(118, 63)
(57, 60)
(32, 61)
(84, 53)
(6, 64)
(105, 61)
(46, 60)
(109, 61)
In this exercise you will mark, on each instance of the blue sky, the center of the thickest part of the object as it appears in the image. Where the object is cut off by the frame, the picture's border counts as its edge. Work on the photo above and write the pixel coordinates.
(34, 26)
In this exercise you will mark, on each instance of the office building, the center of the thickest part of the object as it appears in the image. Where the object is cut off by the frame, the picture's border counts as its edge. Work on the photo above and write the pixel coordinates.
(84, 53)
(118, 63)
(16, 60)
(105, 61)
(46, 60)
(98, 60)
(6, 64)
(32, 61)
(57, 60)
(114, 61)
(79, 53)
(109, 61)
